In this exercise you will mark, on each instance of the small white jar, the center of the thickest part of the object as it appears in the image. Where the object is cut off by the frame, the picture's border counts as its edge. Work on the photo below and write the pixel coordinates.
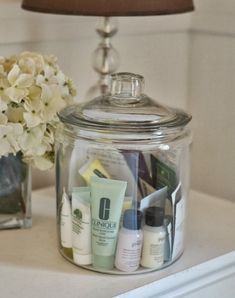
(129, 242)
(154, 238)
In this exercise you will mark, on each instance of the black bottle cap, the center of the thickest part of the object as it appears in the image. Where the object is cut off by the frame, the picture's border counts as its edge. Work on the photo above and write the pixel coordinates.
(154, 216)
(132, 219)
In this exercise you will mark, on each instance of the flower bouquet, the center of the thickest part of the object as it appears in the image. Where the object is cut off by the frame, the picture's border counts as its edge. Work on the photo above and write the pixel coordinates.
(32, 90)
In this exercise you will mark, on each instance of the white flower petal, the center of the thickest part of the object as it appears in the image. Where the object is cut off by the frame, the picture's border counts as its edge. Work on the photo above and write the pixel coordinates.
(25, 59)
(48, 72)
(32, 120)
(13, 143)
(13, 74)
(4, 82)
(60, 78)
(5, 147)
(33, 106)
(3, 119)
(27, 65)
(17, 129)
(3, 105)
(47, 92)
(42, 163)
(4, 131)
(24, 81)
(8, 137)
(35, 93)
(32, 139)
(2, 69)
(15, 94)
(15, 115)
(40, 79)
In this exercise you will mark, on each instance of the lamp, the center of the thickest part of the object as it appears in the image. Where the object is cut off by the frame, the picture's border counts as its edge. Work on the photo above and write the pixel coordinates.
(105, 60)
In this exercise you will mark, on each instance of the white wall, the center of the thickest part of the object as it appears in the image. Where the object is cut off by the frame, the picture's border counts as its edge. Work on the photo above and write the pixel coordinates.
(212, 97)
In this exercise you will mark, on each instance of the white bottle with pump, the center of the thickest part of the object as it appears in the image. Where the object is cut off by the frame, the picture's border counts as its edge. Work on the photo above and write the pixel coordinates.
(129, 242)
(154, 238)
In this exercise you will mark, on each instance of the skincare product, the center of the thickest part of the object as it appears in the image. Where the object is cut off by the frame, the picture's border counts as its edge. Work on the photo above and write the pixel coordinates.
(107, 199)
(178, 202)
(132, 163)
(145, 181)
(66, 225)
(81, 225)
(146, 188)
(138, 166)
(157, 198)
(93, 168)
(168, 243)
(117, 167)
(129, 242)
(163, 175)
(154, 238)
(127, 204)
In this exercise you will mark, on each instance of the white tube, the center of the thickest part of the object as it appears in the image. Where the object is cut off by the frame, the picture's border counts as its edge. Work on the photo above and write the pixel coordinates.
(66, 225)
(107, 200)
(81, 225)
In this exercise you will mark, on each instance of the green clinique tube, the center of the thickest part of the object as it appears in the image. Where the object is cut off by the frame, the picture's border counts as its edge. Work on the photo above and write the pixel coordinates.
(107, 197)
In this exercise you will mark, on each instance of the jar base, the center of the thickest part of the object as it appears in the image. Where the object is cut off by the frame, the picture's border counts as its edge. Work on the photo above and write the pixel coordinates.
(115, 271)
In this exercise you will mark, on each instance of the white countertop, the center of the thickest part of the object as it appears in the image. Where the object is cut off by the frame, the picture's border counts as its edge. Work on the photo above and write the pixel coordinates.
(31, 266)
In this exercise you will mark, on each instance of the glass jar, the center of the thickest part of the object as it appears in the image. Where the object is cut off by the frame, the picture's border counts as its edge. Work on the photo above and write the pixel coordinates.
(122, 178)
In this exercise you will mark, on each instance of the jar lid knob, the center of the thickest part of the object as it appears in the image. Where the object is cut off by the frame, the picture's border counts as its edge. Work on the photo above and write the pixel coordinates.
(127, 87)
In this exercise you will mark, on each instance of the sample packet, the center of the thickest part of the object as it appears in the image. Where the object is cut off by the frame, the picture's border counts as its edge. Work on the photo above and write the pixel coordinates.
(163, 175)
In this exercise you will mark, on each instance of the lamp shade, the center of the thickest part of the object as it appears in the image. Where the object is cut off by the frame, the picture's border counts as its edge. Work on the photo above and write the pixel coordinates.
(109, 7)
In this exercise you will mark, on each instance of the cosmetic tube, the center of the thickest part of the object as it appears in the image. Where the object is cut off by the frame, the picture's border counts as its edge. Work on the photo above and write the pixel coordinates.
(93, 167)
(106, 207)
(81, 225)
(66, 225)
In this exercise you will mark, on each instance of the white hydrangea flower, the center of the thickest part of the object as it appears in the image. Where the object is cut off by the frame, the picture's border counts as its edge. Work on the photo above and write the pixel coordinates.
(33, 106)
(31, 63)
(20, 82)
(47, 76)
(9, 136)
(52, 75)
(33, 90)
(52, 102)
(4, 99)
(32, 142)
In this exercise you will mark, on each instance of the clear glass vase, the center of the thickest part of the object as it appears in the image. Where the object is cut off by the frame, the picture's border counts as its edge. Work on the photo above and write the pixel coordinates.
(15, 193)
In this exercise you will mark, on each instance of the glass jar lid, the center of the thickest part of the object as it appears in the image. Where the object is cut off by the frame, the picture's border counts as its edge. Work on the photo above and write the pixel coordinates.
(125, 109)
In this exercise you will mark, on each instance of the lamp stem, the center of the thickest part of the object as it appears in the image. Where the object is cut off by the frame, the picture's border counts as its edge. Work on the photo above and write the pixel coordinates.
(105, 57)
